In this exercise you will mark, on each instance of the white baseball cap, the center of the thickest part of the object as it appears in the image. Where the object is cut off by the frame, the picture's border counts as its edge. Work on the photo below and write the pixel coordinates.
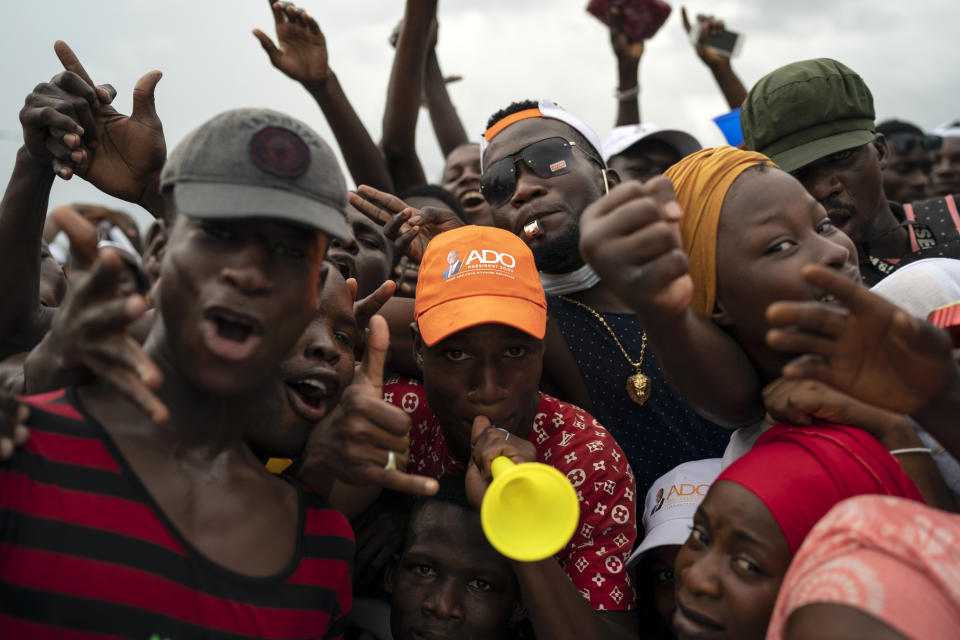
(671, 502)
(949, 129)
(622, 138)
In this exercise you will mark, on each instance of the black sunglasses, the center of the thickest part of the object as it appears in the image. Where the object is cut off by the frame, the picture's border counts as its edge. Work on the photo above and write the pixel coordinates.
(547, 158)
(905, 142)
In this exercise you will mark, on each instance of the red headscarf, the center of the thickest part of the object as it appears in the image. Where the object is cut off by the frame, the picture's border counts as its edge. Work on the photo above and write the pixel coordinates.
(799, 473)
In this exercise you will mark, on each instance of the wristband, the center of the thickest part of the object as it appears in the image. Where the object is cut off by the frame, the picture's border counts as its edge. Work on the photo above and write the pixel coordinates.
(633, 92)
(896, 452)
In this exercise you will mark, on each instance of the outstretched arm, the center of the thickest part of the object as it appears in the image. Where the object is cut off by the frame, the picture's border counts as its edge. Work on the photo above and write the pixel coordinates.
(719, 64)
(446, 123)
(22, 211)
(404, 93)
(628, 55)
(806, 401)
(630, 238)
(873, 351)
(301, 54)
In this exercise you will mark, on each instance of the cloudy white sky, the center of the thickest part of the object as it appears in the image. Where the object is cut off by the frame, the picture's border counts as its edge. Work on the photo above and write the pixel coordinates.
(908, 53)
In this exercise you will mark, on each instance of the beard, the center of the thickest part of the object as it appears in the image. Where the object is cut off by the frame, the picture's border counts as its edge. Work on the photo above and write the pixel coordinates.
(563, 254)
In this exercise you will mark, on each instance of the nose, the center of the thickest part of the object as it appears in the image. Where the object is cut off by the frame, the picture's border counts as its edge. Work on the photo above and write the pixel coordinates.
(919, 178)
(701, 578)
(319, 343)
(444, 601)
(822, 183)
(487, 387)
(471, 173)
(349, 246)
(529, 186)
(834, 254)
(941, 165)
(248, 272)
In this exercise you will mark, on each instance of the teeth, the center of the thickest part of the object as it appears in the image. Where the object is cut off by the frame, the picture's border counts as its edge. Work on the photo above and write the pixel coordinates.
(471, 198)
(313, 383)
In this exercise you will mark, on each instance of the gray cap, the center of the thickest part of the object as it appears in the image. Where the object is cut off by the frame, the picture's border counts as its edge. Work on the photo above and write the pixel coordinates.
(258, 163)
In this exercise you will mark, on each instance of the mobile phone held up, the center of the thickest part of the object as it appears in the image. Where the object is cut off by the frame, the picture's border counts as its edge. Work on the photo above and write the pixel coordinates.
(726, 43)
(641, 18)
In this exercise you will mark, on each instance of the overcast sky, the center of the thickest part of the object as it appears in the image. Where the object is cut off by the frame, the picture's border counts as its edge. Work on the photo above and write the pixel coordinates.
(908, 53)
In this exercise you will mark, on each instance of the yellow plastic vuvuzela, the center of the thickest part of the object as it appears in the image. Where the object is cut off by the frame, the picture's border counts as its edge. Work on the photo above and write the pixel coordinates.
(530, 511)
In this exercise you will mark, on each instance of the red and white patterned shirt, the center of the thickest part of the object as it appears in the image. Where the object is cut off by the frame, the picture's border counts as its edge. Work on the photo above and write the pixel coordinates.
(568, 438)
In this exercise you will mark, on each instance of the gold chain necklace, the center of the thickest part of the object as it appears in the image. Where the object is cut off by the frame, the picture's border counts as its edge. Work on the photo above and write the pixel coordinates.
(638, 384)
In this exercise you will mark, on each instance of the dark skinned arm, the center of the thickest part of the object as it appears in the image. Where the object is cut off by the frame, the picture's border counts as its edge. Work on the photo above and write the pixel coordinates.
(806, 401)
(556, 608)
(446, 123)
(728, 81)
(728, 393)
(871, 350)
(629, 237)
(22, 212)
(628, 55)
(302, 55)
(404, 92)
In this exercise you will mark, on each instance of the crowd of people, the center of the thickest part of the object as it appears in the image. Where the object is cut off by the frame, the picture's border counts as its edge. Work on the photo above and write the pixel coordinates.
(274, 413)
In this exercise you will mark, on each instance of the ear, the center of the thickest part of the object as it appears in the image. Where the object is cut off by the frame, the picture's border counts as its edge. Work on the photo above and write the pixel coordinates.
(156, 242)
(720, 315)
(883, 151)
(613, 178)
(388, 573)
(418, 345)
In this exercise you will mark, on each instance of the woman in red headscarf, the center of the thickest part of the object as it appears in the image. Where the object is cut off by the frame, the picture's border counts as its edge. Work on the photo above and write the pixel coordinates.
(748, 229)
(757, 514)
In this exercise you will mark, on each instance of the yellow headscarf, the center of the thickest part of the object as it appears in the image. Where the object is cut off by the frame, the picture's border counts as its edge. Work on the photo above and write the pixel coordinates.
(701, 181)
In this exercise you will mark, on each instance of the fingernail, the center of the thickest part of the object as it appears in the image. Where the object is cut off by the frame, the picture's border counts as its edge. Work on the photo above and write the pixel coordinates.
(23, 412)
(77, 156)
(20, 435)
(6, 448)
(673, 210)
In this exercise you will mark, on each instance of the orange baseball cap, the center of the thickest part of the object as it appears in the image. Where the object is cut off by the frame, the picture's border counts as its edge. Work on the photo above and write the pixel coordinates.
(478, 275)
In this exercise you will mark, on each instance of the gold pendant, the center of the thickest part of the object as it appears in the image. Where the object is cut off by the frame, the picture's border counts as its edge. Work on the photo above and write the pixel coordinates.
(638, 387)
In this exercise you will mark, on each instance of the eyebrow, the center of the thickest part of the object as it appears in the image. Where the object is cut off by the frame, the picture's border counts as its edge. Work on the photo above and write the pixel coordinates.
(740, 534)
(703, 514)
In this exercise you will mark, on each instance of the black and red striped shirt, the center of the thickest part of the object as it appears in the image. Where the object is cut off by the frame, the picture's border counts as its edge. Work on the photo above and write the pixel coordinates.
(86, 553)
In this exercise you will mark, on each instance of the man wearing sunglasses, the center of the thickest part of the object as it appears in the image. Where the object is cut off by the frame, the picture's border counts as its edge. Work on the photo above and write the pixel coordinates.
(541, 168)
(815, 119)
(906, 176)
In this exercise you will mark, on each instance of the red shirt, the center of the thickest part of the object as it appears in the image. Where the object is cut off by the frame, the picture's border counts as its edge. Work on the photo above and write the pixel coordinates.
(568, 438)
(86, 553)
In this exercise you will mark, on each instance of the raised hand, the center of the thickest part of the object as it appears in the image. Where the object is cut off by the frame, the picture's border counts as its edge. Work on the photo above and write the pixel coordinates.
(13, 431)
(82, 234)
(90, 338)
(488, 442)
(709, 25)
(868, 347)
(627, 51)
(804, 401)
(366, 308)
(120, 155)
(631, 239)
(301, 52)
(358, 440)
(410, 229)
